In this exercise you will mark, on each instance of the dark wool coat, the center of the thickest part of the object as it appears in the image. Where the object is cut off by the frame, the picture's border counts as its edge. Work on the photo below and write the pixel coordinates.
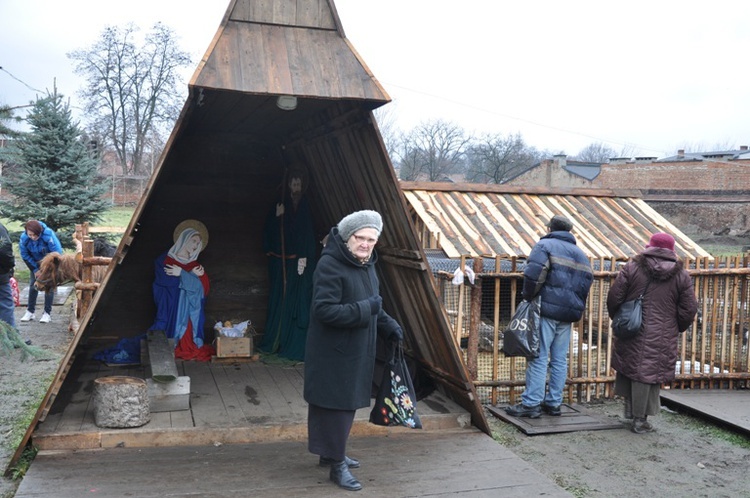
(669, 307)
(7, 260)
(340, 349)
(558, 271)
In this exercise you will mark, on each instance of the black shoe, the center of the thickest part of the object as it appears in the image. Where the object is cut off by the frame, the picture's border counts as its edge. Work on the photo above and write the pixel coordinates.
(350, 462)
(341, 476)
(521, 410)
(642, 426)
(553, 411)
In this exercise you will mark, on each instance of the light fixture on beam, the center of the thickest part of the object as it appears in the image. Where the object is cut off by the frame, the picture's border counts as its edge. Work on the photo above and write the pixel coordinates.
(286, 102)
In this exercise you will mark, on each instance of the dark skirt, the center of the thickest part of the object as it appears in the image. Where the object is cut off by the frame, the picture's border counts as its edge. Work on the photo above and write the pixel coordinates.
(644, 397)
(328, 431)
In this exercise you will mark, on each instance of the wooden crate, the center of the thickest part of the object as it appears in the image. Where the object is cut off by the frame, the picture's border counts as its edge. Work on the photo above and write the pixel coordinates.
(234, 347)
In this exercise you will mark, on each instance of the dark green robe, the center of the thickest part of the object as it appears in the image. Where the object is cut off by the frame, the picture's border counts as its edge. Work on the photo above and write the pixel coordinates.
(289, 303)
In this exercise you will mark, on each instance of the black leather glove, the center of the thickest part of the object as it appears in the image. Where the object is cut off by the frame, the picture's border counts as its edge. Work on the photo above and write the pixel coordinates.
(376, 302)
(396, 336)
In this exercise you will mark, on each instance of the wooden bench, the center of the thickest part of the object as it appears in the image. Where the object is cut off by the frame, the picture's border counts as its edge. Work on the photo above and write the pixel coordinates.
(168, 391)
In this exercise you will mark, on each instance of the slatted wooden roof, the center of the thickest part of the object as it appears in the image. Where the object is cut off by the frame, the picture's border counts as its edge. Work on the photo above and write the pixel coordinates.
(286, 48)
(489, 220)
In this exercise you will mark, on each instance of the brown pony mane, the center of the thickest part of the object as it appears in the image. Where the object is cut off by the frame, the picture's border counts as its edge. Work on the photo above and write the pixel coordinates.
(56, 269)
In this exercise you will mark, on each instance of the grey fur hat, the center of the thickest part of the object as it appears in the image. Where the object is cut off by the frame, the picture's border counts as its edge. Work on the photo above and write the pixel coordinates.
(359, 220)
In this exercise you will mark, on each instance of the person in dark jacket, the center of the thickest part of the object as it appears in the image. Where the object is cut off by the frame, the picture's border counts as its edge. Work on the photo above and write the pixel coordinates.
(646, 361)
(7, 265)
(37, 241)
(345, 318)
(559, 274)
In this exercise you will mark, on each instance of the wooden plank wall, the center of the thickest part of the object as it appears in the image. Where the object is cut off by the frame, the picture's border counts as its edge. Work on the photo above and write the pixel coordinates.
(352, 158)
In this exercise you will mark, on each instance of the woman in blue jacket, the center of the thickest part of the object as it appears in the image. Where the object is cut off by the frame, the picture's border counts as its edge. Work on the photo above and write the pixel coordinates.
(37, 241)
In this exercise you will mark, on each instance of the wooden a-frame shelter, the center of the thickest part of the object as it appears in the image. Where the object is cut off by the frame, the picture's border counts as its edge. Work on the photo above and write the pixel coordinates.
(226, 158)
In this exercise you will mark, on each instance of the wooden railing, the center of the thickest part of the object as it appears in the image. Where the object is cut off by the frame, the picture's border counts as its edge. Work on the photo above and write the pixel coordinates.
(713, 352)
(88, 285)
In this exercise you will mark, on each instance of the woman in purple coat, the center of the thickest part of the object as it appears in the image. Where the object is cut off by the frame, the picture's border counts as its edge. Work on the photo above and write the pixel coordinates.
(648, 360)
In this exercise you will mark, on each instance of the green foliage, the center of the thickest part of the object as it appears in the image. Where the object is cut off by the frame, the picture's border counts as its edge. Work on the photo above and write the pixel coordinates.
(54, 172)
(6, 117)
(11, 340)
(24, 462)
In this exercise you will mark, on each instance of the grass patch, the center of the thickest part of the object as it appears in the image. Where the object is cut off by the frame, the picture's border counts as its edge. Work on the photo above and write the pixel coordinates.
(117, 216)
(24, 462)
(710, 429)
(577, 490)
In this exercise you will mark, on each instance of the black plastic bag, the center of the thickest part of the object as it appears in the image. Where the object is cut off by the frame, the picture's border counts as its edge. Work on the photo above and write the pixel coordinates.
(396, 400)
(522, 336)
(627, 321)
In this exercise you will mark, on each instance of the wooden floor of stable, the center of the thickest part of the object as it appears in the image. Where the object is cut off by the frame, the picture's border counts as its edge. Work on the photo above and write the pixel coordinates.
(241, 402)
(245, 435)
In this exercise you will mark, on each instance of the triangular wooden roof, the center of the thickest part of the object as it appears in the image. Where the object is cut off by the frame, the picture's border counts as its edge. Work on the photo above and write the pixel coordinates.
(286, 48)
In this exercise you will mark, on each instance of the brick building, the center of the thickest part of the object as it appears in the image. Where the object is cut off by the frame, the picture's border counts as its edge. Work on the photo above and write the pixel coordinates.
(702, 193)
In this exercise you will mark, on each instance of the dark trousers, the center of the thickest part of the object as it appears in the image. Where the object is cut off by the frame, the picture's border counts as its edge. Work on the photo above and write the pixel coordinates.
(49, 297)
(328, 431)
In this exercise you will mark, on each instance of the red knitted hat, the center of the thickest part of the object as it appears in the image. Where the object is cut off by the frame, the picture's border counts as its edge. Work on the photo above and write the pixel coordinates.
(663, 240)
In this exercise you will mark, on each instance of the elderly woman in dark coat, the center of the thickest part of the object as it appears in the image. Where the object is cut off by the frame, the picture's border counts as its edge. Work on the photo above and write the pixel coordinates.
(669, 305)
(345, 318)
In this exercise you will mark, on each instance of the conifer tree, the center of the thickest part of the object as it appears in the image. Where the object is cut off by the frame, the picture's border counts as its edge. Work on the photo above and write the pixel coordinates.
(54, 177)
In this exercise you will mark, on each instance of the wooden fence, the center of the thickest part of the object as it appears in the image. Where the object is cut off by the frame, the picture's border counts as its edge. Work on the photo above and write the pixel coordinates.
(88, 285)
(713, 352)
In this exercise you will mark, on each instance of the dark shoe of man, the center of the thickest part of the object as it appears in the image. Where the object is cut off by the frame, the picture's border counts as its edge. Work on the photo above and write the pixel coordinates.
(342, 477)
(553, 411)
(642, 426)
(521, 410)
(350, 462)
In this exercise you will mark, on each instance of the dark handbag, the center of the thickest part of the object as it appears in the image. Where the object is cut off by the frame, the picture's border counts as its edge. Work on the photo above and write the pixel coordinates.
(396, 400)
(521, 338)
(627, 321)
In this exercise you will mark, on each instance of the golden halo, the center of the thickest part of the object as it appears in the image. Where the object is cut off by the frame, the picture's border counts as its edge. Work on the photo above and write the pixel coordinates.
(197, 226)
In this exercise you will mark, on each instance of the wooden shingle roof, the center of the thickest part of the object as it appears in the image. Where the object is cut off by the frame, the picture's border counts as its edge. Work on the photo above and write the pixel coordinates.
(286, 48)
(490, 220)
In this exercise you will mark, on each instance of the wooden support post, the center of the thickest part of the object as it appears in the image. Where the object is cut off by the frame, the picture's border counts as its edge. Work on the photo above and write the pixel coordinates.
(474, 320)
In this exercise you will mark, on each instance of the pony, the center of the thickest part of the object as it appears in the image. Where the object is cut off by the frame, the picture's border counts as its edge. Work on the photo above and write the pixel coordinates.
(56, 269)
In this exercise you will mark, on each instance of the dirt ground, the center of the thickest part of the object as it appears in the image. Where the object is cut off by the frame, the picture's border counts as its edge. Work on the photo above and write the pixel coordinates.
(684, 457)
(23, 384)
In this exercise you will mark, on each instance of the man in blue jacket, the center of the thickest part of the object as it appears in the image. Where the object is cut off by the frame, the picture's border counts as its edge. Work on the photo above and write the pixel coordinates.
(559, 273)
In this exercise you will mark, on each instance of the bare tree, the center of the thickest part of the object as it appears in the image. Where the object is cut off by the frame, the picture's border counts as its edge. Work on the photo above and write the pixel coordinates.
(595, 153)
(494, 158)
(386, 120)
(433, 150)
(132, 91)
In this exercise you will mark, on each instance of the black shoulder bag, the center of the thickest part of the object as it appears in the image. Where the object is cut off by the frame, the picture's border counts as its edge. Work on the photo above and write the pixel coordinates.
(627, 321)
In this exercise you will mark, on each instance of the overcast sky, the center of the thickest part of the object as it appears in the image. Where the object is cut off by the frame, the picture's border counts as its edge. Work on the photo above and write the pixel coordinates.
(653, 75)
